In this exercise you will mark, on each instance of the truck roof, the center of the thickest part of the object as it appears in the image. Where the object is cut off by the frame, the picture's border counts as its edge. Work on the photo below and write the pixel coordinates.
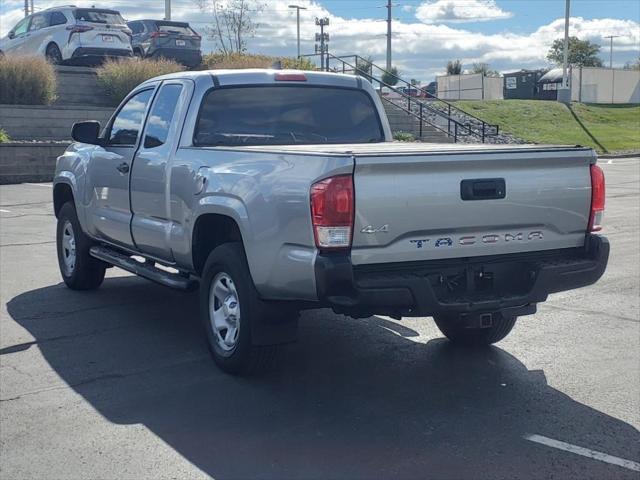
(258, 76)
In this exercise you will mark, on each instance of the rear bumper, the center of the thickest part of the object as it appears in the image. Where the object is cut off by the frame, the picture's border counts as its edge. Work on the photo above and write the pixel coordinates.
(90, 52)
(185, 56)
(511, 283)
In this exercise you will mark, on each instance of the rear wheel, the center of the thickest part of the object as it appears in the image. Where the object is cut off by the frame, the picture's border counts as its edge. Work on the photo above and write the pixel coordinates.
(456, 330)
(138, 53)
(230, 306)
(79, 270)
(53, 54)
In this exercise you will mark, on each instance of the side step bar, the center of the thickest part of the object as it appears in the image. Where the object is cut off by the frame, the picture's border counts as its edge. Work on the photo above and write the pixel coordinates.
(121, 260)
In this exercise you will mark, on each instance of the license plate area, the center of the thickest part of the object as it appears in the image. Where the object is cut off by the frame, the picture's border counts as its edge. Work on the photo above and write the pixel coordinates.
(180, 43)
(107, 38)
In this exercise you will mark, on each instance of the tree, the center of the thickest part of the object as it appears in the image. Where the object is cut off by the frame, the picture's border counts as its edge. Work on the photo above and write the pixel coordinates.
(364, 67)
(484, 69)
(415, 82)
(632, 66)
(390, 77)
(454, 67)
(232, 23)
(582, 53)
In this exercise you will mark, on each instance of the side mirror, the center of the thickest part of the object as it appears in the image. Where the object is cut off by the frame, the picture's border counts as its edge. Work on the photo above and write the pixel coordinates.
(86, 132)
(11, 35)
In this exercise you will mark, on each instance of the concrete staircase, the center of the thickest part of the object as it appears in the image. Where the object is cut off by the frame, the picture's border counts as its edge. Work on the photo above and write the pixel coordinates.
(401, 121)
(79, 86)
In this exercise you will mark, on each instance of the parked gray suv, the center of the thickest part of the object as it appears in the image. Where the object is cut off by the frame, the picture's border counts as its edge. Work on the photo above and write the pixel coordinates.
(160, 38)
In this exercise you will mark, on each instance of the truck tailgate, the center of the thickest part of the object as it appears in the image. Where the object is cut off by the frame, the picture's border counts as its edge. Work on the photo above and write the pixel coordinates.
(436, 205)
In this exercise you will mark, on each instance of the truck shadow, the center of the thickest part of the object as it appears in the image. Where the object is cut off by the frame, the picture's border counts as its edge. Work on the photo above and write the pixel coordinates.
(352, 399)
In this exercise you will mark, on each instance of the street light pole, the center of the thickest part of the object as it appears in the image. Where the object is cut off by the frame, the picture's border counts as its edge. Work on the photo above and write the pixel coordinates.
(167, 9)
(388, 35)
(611, 37)
(564, 93)
(298, 8)
(26, 8)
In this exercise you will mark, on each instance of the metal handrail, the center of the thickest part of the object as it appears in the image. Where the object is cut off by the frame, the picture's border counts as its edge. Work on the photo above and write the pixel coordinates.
(449, 105)
(484, 129)
(458, 127)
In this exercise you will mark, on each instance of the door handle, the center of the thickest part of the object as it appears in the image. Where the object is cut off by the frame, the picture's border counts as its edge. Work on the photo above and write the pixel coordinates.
(483, 189)
(123, 168)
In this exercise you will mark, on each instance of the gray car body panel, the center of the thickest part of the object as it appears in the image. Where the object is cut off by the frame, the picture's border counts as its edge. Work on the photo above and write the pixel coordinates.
(411, 188)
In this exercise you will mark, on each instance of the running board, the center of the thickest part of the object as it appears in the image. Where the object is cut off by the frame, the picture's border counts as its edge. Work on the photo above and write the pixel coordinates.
(148, 271)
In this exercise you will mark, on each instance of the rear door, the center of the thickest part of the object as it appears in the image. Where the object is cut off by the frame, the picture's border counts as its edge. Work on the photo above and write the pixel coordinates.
(435, 206)
(150, 205)
(38, 32)
(108, 174)
(176, 35)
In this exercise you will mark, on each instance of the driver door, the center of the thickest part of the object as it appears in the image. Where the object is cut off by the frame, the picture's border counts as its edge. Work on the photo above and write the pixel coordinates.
(16, 44)
(108, 173)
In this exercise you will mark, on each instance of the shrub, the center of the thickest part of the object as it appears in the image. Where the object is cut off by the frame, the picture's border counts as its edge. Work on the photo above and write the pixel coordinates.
(404, 136)
(3, 136)
(216, 61)
(118, 77)
(27, 81)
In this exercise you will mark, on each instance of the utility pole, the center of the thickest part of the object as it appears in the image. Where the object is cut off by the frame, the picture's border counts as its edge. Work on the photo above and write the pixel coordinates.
(26, 8)
(298, 8)
(388, 35)
(611, 37)
(167, 9)
(31, 5)
(564, 93)
(323, 38)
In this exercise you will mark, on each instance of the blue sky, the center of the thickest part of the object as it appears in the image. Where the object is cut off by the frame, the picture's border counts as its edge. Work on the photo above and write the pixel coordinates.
(507, 34)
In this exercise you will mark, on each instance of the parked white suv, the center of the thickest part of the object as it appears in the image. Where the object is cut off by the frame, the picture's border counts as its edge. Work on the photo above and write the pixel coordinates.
(70, 33)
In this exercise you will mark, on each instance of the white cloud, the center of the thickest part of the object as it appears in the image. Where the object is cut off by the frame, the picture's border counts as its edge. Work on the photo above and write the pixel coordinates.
(453, 11)
(420, 50)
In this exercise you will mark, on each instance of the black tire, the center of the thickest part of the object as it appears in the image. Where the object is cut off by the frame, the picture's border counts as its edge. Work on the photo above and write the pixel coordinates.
(87, 273)
(137, 53)
(53, 54)
(457, 333)
(243, 358)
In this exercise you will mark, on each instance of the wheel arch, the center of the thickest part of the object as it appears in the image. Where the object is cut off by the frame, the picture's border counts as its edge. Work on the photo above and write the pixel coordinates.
(211, 230)
(62, 193)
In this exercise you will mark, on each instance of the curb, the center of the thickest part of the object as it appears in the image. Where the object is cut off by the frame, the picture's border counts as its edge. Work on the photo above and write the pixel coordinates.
(619, 155)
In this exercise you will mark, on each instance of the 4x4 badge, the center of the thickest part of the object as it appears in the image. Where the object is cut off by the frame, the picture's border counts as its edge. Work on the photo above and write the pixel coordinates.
(371, 229)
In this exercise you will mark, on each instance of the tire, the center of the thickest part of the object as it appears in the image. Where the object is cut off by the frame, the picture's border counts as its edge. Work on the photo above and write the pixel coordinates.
(457, 333)
(79, 270)
(137, 53)
(53, 54)
(227, 292)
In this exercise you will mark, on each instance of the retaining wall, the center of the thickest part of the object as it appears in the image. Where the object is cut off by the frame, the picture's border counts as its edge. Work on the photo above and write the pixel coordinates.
(28, 162)
(28, 122)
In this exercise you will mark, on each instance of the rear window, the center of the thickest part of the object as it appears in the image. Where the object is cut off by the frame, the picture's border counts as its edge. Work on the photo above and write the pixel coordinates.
(172, 28)
(287, 115)
(95, 15)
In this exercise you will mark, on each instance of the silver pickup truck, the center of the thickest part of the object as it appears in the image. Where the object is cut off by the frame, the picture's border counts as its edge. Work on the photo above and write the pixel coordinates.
(277, 191)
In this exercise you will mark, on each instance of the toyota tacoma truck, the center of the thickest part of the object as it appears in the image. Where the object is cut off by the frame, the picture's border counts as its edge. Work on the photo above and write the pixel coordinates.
(275, 191)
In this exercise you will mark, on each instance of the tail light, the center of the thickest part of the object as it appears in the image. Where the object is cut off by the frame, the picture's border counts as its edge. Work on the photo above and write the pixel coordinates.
(332, 212)
(597, 199)
(158, 34)
(79, 28)
(196, 37)
(127, 32)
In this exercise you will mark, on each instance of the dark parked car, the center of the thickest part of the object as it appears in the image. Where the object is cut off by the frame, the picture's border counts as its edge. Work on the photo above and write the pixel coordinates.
(160, 38)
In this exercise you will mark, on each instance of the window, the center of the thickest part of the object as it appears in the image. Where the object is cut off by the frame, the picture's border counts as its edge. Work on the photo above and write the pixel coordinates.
(58, 18)
(95, 15)
(128, 121)
(286, 115)
(38, 22)
(21, 27)
(136, 27)
(180, 28)
(161, 115)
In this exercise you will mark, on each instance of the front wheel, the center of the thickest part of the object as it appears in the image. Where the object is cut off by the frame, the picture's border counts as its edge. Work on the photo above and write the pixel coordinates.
(230, 306)
(457, 332)
(79, 270)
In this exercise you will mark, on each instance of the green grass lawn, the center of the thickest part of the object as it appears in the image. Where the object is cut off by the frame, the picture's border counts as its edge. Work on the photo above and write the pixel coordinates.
(607, 128)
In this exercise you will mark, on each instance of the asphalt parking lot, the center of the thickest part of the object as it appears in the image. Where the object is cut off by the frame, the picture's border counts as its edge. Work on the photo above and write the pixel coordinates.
(117, 383)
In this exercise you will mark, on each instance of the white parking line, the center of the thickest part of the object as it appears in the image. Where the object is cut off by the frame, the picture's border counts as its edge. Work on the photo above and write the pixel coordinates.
(48, 185)
(4, 211)
(585, 452)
